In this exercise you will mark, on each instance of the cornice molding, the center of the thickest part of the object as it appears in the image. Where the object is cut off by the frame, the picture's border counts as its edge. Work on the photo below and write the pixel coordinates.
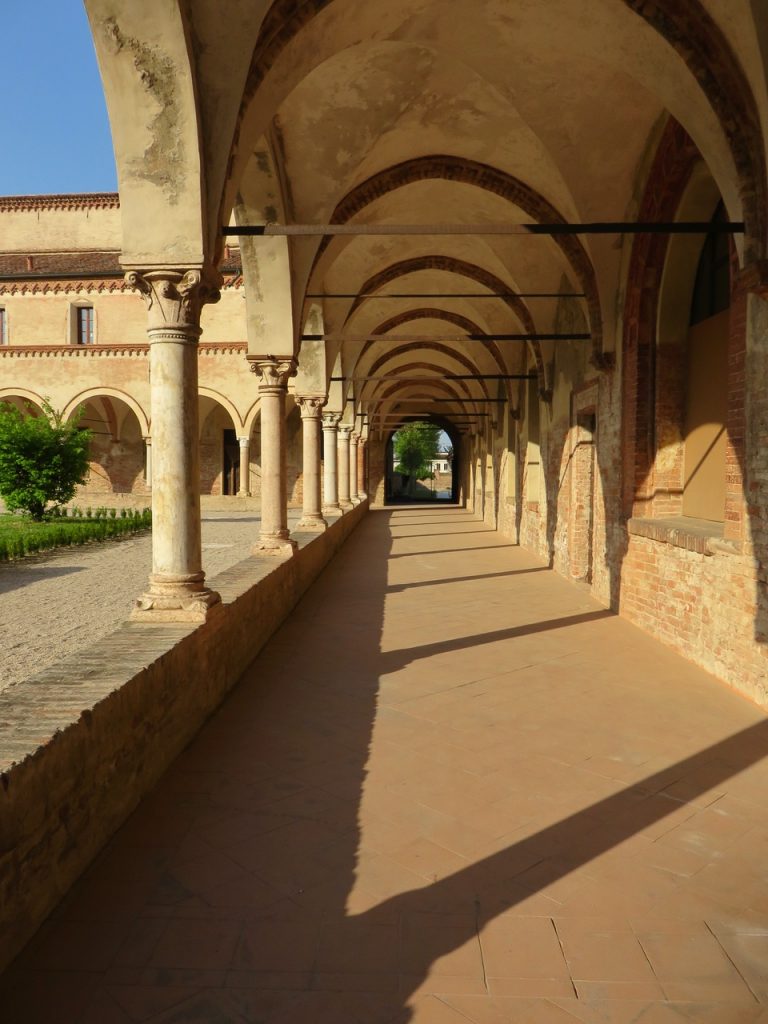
(206, 348)
(64, 201)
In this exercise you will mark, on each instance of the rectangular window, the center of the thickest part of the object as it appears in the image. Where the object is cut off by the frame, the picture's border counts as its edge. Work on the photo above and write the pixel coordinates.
(3, 326)
(84, 325)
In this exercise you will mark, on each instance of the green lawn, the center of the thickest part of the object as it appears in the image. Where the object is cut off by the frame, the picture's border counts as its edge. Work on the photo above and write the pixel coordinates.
(20, 535)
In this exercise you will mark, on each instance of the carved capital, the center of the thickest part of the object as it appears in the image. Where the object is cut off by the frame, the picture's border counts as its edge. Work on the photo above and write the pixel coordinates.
(274, 373)
(174, 298)
(311, 406)
(344, 433)
(331, 420)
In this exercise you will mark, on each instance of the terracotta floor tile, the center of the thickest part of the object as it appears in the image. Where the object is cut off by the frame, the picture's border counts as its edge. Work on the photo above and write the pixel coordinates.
(405, 766)
(694, 967)
(196, 944)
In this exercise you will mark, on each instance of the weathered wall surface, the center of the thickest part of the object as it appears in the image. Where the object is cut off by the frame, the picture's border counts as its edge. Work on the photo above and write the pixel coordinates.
(84, 741)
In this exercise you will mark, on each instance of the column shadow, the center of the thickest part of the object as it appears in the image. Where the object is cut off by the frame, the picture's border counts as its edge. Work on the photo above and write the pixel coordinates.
(232, 893)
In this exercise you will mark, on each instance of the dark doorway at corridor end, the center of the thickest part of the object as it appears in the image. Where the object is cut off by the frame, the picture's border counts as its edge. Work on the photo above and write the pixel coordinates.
(438, 479)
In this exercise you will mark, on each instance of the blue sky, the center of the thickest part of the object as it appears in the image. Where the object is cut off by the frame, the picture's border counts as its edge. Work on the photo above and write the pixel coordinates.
(54, 122)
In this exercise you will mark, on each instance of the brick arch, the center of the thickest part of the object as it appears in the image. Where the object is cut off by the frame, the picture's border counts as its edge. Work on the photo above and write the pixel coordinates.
(490, 179)
(432, 346)
(688, 28)
(462, 322)
(440, 385)
(670, 172)
(698, 40)
(463, 268)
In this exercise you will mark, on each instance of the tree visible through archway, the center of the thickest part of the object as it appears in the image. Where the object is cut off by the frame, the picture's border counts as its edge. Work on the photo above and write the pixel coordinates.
(421, 463)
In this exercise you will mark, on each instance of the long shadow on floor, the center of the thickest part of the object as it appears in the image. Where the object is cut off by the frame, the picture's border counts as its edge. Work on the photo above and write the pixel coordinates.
(231, 895)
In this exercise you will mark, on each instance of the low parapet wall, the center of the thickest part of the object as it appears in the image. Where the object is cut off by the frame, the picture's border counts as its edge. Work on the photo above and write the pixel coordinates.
(82, 742)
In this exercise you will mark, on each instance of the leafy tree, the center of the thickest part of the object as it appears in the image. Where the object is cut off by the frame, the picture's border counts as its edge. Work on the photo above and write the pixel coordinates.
(416, 444)
(42, 459)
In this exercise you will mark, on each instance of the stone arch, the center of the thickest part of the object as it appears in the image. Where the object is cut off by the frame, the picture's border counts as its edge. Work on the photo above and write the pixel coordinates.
(117, 452)
(102, 392)
(149, 84)
(25, 399)
(219, 447)
(216, 396)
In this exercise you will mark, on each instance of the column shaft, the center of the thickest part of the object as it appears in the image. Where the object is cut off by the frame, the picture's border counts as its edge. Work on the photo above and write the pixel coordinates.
(353, 469)
(244, 490)
(148, 461)
(361, 491)
(343, 467)
(330, 464)
(177, 590)
(274, 537)
(312, 517)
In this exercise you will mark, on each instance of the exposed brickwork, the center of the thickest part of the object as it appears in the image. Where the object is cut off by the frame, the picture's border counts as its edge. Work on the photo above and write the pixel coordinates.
(83, 741)
(643, 423)
(697, 38)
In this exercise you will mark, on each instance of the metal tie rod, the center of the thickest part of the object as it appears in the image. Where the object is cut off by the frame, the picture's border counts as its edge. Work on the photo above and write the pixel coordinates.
(557, 228)
(451, 376)
(584, 336)
(427, 400)
(446, 295)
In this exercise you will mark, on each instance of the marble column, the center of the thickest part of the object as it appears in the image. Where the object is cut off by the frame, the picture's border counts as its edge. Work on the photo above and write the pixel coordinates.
(343, 468)
(361, 492)
(353, 439)
(148, 461)
(330, 464)
(311, 410)
(244, 490)
(274, 374)
(177, 591)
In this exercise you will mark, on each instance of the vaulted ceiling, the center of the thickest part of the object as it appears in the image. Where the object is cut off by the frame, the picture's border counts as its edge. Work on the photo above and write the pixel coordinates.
(423, 112)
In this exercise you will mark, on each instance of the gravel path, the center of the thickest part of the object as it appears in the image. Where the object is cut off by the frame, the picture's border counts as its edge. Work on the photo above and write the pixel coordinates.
(53, 605)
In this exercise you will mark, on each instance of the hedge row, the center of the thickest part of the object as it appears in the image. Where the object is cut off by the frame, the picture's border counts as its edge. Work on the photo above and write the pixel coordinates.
(44, 536)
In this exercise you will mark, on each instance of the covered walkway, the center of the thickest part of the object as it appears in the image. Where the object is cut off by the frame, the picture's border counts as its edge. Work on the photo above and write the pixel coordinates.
(452, 788)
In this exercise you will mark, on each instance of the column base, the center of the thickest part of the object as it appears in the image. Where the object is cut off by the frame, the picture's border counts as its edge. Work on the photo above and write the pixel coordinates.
(176, 599)
(345, 506)
(244, 494)
(274, 544)
(312, 524)
(333, 510)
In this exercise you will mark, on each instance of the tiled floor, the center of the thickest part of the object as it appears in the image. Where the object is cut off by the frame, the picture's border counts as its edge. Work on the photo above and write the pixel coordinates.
(451, 789)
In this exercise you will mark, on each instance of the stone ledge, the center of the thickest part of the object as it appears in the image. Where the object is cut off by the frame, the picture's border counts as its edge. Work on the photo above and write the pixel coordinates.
(698, 535)
(83, 741)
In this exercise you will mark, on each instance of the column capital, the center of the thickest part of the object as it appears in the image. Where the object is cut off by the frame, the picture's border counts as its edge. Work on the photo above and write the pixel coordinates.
(331, 420)
(275, 372)
(345, 432)
(244, 442)
(175, 298)
(311, 405)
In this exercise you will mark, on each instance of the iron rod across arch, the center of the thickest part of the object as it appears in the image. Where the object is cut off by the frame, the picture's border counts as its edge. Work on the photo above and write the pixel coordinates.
(522, 229)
